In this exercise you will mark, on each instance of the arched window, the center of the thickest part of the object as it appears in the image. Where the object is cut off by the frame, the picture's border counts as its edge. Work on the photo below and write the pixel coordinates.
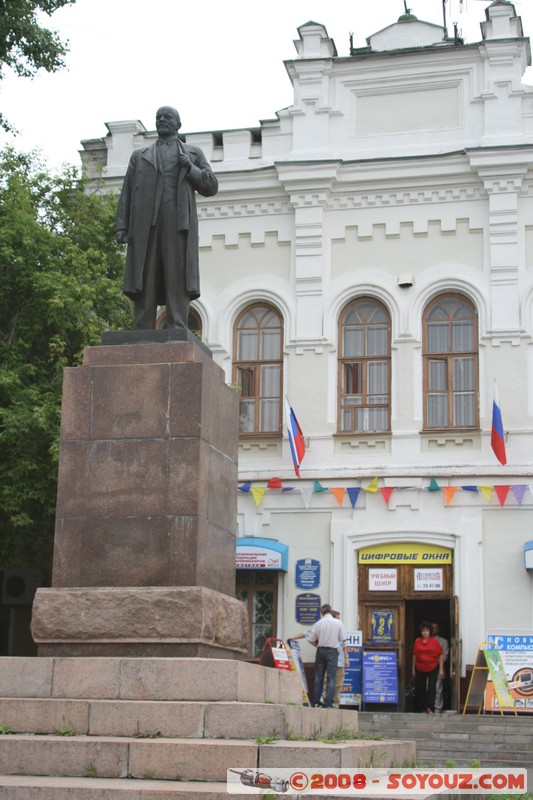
(257, 368)
(364, 367)
(451, 372)
(194, 322)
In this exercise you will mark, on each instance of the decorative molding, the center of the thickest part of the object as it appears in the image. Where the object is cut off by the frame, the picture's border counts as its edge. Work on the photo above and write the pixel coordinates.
(367, 444)
(414, 197)
(251, 209)
(264, 448)
(450, 440)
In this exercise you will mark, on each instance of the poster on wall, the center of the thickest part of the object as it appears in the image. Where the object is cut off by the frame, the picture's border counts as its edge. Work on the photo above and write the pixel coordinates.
(429, 580)
(307, 608)
(383, 580)
(516, 651)
(382, 627)
(307, 573)
(380, 677)
(353, 675)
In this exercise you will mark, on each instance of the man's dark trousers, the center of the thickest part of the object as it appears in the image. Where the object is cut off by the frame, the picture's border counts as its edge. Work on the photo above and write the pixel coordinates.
(325, 663)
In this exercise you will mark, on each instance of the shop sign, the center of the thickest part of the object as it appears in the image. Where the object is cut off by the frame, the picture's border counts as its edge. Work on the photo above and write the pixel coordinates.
(307, 608)
(382, 627)
(383, 580)
(429, 580)
(255, 553)
(416, 553)
(307, 573)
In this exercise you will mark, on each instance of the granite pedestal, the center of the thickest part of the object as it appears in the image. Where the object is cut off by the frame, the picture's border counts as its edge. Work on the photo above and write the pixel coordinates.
(144, 550)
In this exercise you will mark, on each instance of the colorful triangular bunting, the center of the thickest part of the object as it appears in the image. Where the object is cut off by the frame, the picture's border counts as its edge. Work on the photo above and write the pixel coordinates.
(319, 488)
(487, 491)
(339, 493)
(353, 494)
(502, 492)
(307, 494)
(245, 487)
(386, 491)
(258, 494)
(372, 486)
(519, 490)
(434, 486)
(449, 493)
(274, 483)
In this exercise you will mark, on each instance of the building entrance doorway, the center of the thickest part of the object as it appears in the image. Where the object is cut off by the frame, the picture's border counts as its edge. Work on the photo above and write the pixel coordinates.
(400, 585)
(417, 611)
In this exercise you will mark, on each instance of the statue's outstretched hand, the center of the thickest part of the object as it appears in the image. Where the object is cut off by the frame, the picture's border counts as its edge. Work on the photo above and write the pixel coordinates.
(122, 237)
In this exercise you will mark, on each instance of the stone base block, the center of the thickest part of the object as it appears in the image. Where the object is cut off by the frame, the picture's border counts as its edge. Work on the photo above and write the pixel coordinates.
(164, 621)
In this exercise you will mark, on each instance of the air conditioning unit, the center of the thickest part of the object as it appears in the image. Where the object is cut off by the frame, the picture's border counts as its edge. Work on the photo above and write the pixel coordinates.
(19, 586)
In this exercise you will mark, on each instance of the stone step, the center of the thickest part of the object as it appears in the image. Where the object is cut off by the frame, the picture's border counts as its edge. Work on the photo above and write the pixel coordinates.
(15, 787)
(423, 734)
(18, 787)
(184, 759)
(494, 741)
(170, 718)
(448, 720)
(203, 679)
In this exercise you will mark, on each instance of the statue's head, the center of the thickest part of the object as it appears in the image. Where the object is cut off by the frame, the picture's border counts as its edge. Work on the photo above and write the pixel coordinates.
(167, 121)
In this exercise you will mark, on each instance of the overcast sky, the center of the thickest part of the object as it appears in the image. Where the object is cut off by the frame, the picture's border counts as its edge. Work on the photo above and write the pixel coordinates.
(220, 62)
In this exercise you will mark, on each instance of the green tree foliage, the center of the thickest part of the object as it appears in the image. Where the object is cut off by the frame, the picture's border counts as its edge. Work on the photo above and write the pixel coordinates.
(60, 287)
(25, 46)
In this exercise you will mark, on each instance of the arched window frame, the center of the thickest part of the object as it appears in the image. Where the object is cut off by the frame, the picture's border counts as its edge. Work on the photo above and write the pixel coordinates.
(194, 322)
(364, 377)
(260, 377)
(451, 367)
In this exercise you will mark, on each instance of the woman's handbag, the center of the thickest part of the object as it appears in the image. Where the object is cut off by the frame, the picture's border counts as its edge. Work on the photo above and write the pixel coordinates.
(411, 688)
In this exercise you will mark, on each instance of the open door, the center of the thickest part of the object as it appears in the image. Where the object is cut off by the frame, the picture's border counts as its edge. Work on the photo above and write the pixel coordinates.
(455, 655)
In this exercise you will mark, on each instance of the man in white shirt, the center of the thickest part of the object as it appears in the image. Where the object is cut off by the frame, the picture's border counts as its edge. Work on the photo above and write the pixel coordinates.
(328, 634)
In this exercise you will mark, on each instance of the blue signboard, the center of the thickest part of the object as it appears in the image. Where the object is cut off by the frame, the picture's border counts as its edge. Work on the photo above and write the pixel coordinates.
(353, 675)
(380, 677)
(307, 573)
(307, 608)
(382, 627)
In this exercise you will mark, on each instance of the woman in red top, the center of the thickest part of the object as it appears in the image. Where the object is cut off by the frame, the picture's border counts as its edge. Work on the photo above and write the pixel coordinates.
(428, 665)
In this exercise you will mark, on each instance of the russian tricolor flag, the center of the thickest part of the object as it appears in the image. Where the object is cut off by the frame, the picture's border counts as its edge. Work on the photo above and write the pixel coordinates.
(497, 439)
(296, 437)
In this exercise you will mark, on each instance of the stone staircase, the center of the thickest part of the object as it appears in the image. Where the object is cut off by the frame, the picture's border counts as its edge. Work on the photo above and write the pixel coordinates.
(441, 739)
(162, 728)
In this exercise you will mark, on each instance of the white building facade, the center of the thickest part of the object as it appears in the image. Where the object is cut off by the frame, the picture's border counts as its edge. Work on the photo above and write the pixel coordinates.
(369, 255)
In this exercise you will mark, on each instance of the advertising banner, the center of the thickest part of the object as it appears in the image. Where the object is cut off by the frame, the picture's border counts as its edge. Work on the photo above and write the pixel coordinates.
(353, 675)
(516, 651)
(380, 677)
(382, 631)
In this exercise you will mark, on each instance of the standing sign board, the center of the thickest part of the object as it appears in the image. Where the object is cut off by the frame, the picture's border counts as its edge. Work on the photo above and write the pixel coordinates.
(380, 677)
(353, 675)
(516, 651)
(275, 654)
(489, 666)
(294, 648)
